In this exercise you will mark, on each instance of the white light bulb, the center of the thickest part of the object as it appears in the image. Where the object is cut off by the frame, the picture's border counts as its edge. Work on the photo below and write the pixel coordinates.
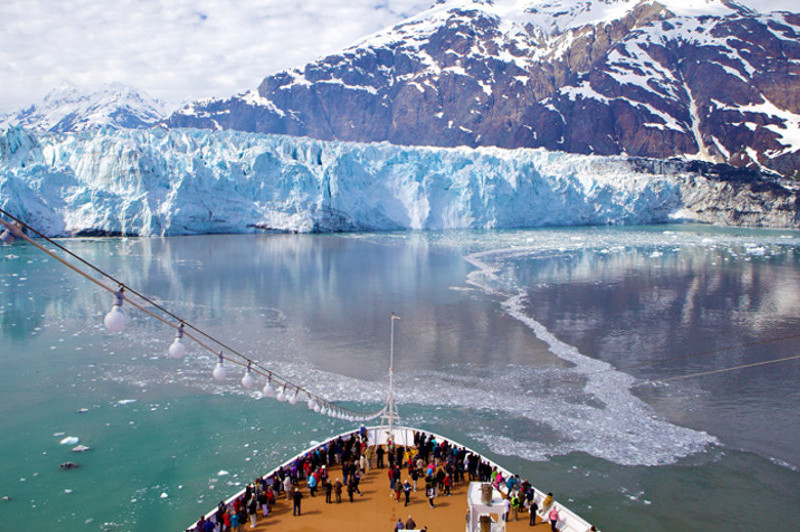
(311, 403)
(114, 320)
(6, 237)
(323, 411)
(293, 399)
(317, 408)
(177, 348)
(281, 394)
(247, 380)
(268, 390)
(219, 371)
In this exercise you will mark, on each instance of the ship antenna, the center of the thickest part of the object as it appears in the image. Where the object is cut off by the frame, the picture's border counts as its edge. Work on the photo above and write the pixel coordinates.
(389, 415)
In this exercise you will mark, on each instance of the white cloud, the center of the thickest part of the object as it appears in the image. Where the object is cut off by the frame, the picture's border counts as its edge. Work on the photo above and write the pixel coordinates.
(174, 49)
(182, 49)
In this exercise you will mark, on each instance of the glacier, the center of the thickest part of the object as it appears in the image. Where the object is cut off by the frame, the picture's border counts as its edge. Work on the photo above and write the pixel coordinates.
(159, 182)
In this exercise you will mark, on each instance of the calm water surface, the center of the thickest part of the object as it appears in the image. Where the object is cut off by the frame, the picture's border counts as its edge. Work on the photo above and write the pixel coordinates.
(548, 350)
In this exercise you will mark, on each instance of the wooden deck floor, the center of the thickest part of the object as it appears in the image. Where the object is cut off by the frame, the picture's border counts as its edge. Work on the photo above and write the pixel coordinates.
(376, 511)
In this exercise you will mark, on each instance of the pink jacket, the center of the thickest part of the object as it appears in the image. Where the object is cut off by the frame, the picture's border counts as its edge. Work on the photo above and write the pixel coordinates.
(553, 515)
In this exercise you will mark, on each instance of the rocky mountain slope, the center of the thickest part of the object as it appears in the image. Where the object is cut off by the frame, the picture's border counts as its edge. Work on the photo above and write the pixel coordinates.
(70, 108)
(709, 80)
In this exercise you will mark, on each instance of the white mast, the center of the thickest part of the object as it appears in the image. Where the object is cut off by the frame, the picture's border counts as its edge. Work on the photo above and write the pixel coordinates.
(390, 415)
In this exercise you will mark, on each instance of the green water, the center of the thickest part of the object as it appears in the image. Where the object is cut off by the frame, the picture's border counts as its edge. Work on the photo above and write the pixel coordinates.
(316, 308)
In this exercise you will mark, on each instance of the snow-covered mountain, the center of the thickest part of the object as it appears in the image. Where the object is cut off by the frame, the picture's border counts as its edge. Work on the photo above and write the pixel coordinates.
(704, 79)
(70, 108)
(183, 181)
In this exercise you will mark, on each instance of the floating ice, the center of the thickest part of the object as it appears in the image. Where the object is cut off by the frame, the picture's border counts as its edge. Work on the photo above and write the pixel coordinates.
(70, 440)
(164, 495)
(222, 473)
(126, 401)
(618, 427)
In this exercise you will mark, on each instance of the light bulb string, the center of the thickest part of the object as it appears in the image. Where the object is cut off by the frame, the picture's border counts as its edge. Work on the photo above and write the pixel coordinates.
(119, 292)
(120, 284)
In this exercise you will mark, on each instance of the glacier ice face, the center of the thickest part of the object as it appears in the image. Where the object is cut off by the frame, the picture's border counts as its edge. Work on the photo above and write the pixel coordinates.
(184, 181)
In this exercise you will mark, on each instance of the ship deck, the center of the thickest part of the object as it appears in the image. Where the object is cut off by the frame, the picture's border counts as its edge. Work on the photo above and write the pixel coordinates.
(377, 510)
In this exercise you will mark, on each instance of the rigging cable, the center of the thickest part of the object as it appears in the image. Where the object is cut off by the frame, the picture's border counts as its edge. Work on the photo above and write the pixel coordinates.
(698, 353)
(243, 360)
(724, 370)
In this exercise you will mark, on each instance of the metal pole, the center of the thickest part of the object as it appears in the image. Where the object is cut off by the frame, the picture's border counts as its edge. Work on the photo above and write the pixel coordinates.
(389, 413)
(391, 373)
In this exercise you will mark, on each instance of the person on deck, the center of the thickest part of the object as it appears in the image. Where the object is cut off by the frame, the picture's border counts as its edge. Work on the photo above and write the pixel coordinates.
(399, 525)
(533, 509)
(252, 507)
(263, 501)
(547, 502)
(407, 490)
(368, 453)
(415, 476)
(287, 487)
(380, 452)
(219, 516)
(553, 517)
(296, 498)
(312, 483)
(337, 489)
(516, 503)
(411, 524)
(356, 481)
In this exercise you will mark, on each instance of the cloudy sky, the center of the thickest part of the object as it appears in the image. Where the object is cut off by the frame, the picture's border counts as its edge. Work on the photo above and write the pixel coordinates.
(179, 50)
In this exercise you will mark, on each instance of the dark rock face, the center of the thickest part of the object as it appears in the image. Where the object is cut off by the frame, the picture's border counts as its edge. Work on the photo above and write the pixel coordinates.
(721, 88)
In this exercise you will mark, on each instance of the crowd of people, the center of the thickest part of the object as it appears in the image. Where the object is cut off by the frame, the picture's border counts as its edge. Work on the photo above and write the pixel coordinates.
(262, 494)
(430, 465)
